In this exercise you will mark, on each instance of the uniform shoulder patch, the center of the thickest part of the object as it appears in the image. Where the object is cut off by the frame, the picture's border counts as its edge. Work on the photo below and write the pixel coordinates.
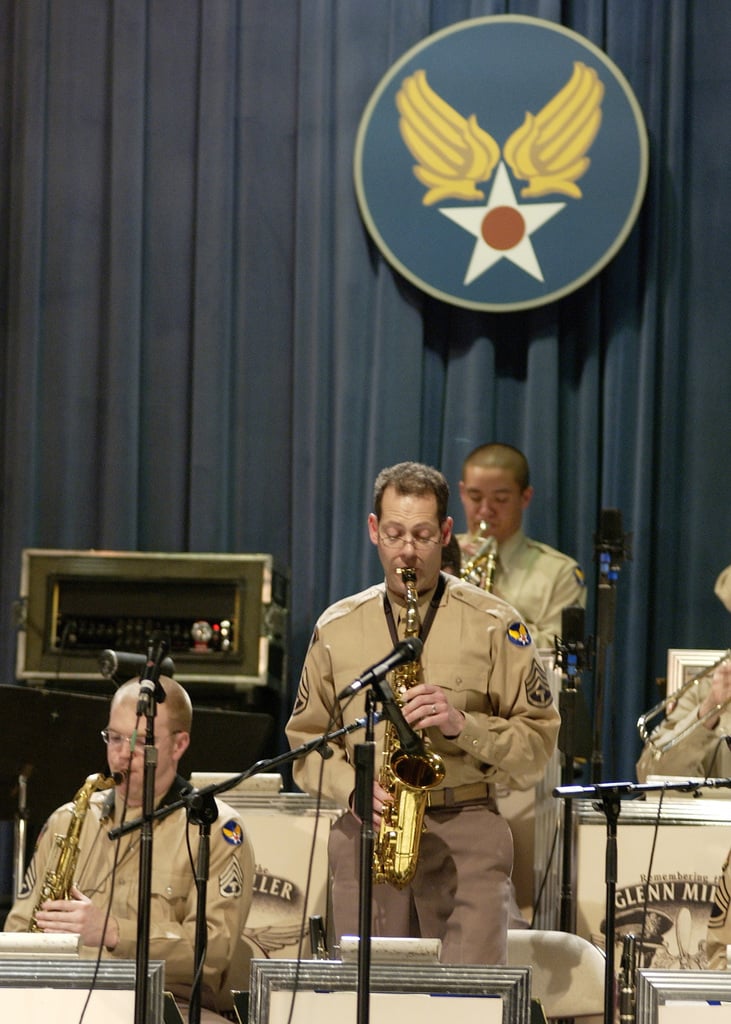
(232, 832)
(579, 576)
(537, 689)
(518, 634)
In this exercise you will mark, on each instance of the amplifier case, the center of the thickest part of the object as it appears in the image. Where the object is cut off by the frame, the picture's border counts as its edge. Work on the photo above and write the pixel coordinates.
(75, 604)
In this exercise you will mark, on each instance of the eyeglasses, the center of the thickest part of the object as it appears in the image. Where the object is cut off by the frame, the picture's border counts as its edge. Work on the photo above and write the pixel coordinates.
(400, 540)
(116, 739)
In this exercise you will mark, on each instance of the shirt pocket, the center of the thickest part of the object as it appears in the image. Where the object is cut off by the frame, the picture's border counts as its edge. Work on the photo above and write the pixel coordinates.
(171, 885)
(466, 686)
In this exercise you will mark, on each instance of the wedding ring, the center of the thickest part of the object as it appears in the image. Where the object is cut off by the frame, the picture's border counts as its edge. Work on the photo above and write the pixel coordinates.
(434, 709)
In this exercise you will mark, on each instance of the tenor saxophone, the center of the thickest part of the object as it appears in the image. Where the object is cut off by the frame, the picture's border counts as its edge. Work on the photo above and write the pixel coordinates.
(59, 878)
(406, 777)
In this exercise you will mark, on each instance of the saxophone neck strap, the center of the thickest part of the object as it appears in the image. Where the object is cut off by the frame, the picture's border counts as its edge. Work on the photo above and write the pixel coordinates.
(428, 618)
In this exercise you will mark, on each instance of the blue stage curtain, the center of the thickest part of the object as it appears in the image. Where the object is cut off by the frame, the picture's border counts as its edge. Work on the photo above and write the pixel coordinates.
(202, 350)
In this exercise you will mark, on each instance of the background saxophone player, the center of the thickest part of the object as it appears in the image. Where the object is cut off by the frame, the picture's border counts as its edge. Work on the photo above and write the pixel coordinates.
(482, 700)
(538, 580)
(93, 889)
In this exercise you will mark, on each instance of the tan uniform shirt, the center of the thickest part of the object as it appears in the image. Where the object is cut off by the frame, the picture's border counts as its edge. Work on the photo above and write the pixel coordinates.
(722, 588)
(477, 650)
(174, 896)
(701, 753)
(536, 579)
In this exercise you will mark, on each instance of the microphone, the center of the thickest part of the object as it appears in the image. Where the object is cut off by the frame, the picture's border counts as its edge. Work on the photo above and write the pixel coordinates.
(157, 649)
(570, 645)
(122, 665)
(404, 651)
(610, 543)
(150, 685)
(411, 743)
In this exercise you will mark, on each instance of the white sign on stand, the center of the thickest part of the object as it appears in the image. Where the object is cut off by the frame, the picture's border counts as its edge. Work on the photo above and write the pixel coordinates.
(385, 1007)
(327, 990)
(64, 1006)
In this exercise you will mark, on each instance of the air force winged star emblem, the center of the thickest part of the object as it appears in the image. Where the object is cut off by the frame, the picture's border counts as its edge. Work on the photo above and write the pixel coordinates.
(501, 163)
(454, 155)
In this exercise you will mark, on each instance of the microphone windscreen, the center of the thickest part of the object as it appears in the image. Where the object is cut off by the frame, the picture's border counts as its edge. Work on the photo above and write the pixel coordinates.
(572, 624)
(610, 525)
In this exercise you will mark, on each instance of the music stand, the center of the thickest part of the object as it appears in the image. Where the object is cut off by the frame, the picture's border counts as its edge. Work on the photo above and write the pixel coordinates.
(609, 796)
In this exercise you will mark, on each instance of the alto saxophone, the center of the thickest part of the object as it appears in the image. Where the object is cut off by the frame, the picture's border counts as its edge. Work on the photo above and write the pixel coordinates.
(406, 777)
(480, 569)
(60, 878)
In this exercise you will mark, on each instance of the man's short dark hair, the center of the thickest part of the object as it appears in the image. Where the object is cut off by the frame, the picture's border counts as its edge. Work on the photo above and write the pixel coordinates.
(412, 478)
(501, 456)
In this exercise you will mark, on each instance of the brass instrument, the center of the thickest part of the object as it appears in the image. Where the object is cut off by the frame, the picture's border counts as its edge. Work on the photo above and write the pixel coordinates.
(60, 878)
(406, 777)
(480, 569)
(648, 723)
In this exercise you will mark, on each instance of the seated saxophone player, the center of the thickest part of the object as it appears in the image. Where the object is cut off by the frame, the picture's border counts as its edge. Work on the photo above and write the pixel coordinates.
(693, 739)
(536, 579)
(478, 696)
(95, 888)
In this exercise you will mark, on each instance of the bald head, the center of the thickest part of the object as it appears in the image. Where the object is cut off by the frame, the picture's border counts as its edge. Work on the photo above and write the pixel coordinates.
(177, 701)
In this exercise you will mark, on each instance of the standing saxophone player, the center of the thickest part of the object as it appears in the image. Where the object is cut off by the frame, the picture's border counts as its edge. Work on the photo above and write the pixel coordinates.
(90, 892)
(482, 702)
(538, 580)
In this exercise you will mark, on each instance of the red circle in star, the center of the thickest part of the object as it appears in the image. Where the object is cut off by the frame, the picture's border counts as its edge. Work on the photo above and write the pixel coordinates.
(503, 227)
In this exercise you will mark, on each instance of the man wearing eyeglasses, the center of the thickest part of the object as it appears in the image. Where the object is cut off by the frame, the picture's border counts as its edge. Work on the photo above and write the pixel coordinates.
(102, 907)
(482, 701)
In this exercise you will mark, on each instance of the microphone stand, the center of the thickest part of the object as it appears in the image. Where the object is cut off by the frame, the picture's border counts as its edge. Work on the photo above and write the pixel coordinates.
(610, 546)
(202, 812)
(364, 775)
(198, 803)
(570, 659)
(151, 694)
(610, 796)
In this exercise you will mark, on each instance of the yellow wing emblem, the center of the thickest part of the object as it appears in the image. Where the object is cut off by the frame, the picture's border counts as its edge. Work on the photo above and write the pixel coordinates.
(452, 152)
(549, 149)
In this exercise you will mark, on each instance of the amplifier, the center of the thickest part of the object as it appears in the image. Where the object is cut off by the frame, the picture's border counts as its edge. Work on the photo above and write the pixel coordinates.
(225, 614)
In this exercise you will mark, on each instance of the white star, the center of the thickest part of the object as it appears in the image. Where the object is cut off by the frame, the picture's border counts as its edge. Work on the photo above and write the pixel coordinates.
(502, 228)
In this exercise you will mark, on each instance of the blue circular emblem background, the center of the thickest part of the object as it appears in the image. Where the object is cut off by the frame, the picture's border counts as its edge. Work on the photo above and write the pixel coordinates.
(498, 69)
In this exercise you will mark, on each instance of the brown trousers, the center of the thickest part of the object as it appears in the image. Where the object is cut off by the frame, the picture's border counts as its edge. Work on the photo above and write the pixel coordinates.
(460, 893)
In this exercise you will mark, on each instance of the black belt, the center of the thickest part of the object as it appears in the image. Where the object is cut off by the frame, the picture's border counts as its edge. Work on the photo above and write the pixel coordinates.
(471, 792)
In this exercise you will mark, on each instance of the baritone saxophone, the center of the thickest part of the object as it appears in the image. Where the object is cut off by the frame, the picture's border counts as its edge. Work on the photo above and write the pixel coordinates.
(59, 878)
(406, 777)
